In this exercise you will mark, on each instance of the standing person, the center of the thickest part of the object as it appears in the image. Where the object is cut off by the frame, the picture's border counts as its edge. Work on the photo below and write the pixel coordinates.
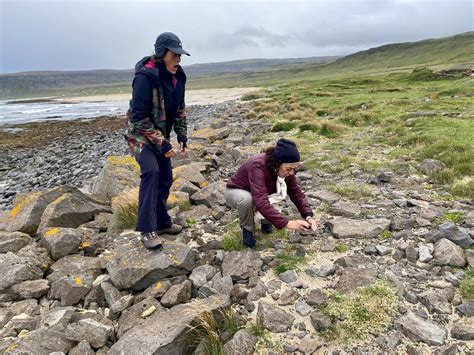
(263, 180)
(157, 107)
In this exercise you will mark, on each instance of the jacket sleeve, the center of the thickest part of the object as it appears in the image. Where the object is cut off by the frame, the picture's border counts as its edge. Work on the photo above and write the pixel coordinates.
(181, 124)
(142, 104)
(259, 192)
(297, 197)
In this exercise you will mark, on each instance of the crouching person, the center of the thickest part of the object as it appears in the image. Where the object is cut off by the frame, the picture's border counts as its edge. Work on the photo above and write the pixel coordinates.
(264, 181)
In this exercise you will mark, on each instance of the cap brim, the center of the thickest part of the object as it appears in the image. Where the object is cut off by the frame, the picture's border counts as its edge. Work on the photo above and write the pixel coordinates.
(178, 50)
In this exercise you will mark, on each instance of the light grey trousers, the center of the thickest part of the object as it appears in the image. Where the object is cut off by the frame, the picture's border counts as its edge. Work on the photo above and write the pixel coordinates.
(242, 201)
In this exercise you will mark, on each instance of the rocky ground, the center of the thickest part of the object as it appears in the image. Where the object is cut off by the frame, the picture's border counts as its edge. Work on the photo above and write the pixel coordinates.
(78, 283)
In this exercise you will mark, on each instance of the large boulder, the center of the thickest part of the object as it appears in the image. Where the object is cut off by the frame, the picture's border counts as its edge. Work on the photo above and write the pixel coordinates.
(131, 265)
(118, 174)
(274, 318)
(138, 314)
(211, 195)
(243, 343)
(94, 332)
(165, 333)
(448, 253)
(419, 329)
(190, 173)
(70, 210)
(17, 269)
(342, 227)
(457, 235)
(25, 216)
(353, 278)
(61, 241)
(13, 241)
(75, 266)
(240, 265)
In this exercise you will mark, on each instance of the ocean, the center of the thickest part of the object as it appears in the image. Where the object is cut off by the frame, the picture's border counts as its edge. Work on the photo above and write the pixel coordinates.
(18, 112)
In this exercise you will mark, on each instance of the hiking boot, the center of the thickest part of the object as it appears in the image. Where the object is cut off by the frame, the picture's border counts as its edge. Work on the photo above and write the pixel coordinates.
(248, 239)
(266, 227)
(150, 240)
(174, 229)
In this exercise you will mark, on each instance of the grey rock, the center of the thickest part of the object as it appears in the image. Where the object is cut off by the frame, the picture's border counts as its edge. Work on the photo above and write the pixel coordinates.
(370, 250)
(257, 292)
(131, 265)
(412, 253)
(41, 342)
(242, 343)
(342, 227)
(61, 241)
(419, 329)
(201, 275)
(470, 257)
(355, 277)
(303, 308)
(75, 266)
(316, 297)
(19, 269)
(71, 290)
(462, 331)
(383, 176)
(120, 305)
(94, 332)
(448, 253)
(13, 241)
(223, 285)
(400, 202)
(457, 235)
(70, 210)
(31, 289)
(309, 346)
(177, 294)
(429, 166)
(5, 316)
(114, 178)
(288, 276)
(288, 297)
(402, 223)
(240, 265)
(352, 260)
(424, 254)
(325, 196)
(345, 209)
(466, 308)
(211, 195)
(437, 301)
(320, 321)
(156, 290)
(411, 297)
(57, 318)
(111, 293)
(273, 318)
(83, 348)
(133, 316)
(166, 332)
(328, 244)
(383, 250)
(28, 208)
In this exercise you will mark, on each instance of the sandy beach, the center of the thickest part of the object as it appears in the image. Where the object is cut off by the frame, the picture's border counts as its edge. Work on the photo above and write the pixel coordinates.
(193, 97)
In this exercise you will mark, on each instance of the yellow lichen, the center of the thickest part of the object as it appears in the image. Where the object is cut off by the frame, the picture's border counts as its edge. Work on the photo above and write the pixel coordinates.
(85, 245)
(77, 281)
(20, 204)
(124, 160)
(203, 184)
(158, 285)
(51, 232)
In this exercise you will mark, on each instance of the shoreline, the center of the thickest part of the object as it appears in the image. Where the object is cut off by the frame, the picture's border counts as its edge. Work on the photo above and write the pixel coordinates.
(193, 97)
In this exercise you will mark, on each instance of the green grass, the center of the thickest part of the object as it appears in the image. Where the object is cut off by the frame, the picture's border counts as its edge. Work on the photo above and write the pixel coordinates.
(349, 190)
(386, 235)
(232, 239)
(287, 262)
(127, 215)
(366, 312)
(454, 217)
(341, 248)
(467, 285)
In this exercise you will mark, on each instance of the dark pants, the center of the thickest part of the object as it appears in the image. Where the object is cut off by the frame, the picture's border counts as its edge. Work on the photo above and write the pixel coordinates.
(156, 180)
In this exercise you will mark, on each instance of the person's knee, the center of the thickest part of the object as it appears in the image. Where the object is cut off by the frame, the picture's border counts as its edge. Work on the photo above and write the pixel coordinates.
(245, 201)
(151, 174)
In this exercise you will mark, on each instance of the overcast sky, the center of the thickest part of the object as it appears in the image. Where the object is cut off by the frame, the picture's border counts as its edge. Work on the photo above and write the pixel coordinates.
(80, 35)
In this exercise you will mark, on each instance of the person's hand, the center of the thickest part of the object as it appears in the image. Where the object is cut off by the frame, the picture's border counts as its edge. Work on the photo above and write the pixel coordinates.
(182, 148)
(299, 225)
(312, 222)
(170, 153)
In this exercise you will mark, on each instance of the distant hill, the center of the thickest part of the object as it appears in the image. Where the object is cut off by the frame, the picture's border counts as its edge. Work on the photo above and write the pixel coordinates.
(453, 51)
(31, 83)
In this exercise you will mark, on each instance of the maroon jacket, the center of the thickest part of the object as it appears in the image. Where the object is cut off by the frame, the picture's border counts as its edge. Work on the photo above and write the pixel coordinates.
(254, 176)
